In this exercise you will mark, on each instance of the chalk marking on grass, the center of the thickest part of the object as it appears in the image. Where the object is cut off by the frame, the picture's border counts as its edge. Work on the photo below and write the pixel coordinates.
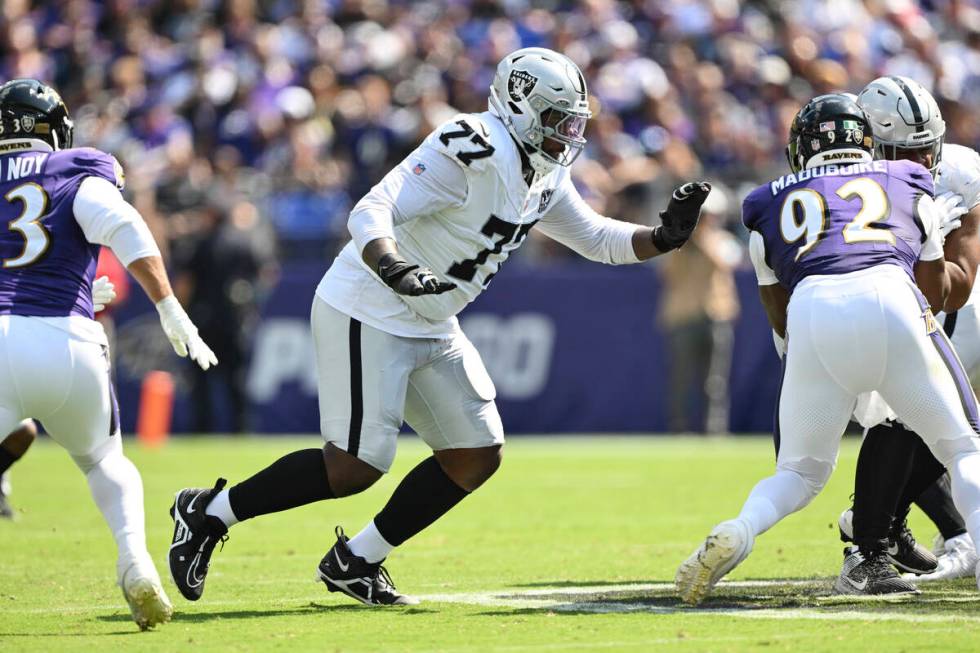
(565, 599)
(582, 599)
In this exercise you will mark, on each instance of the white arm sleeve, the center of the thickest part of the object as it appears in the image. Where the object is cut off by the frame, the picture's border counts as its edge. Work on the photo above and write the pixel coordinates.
(757, 252)
(574, 224)
(932, 249)
(108, 219)
(426, 182)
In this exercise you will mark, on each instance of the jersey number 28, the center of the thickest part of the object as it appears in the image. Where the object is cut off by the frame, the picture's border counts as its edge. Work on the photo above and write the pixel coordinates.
(804, 215)
(34, 203)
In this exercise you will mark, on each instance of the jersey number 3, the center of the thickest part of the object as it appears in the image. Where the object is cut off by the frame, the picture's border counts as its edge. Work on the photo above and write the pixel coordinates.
(34, 203)
(804, 215)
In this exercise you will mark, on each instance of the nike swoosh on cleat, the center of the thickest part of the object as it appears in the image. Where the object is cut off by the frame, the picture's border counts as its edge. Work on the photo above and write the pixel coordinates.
(192, 578)
(190, 506)
(340, 563)
(858, 586)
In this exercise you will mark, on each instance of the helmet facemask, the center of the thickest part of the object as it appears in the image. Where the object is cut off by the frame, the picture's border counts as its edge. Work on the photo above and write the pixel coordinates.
(560, 137)
(894, 152)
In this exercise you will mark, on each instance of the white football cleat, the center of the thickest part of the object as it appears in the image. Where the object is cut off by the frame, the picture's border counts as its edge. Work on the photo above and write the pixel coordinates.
(959, 561)
(729, 543)
(144, 593)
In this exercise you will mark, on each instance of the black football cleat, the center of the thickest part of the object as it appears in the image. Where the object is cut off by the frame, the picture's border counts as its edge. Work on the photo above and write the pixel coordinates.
(369, 583)
(195, 536)
(870, 575)
(907, 554)
(903, 551)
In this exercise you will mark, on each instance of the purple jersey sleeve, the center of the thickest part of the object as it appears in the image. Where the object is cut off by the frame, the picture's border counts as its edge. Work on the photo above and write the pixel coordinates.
(47, 264)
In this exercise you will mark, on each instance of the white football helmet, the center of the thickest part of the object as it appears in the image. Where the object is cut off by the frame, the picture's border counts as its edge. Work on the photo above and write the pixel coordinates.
(904, 115)
(541, 95)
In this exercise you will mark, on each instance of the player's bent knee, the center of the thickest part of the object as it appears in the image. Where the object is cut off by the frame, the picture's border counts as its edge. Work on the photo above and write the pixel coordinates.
(347, 474)
(89, 460)
(470, 468)
(815, 474)
(947, 451)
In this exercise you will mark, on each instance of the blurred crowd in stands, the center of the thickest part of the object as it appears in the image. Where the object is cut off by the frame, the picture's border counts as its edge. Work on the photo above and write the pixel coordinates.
(279, 114)
(248, 128)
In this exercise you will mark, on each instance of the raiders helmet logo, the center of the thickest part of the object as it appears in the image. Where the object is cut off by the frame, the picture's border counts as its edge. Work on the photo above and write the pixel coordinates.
(520, 84)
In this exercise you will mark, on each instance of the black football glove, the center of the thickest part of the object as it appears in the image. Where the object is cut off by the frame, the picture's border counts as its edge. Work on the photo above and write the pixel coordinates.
(407, 279)
(681, 216)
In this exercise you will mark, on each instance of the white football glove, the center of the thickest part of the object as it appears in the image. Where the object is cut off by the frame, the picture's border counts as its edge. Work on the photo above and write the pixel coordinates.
(183, 334)
(103, 292)
(950, 208)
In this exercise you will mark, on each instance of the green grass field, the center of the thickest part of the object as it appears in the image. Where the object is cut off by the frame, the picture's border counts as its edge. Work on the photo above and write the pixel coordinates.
(572, 546)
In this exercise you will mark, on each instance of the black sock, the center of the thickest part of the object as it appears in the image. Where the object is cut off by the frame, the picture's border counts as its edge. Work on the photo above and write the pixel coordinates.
(6, 460)
(423, 496)
(294, 480)
(883, 467)
(926, 470)
(937, 502)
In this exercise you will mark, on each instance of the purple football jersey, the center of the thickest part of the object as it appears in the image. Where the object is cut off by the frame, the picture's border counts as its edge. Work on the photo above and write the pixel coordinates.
(836, 219)
(47, 265)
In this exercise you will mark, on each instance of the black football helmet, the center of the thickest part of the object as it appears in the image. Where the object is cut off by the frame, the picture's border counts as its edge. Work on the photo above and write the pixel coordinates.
(30, 109)
(827, 122)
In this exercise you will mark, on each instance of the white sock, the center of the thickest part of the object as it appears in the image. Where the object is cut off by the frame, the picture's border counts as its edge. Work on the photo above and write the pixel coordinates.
(965, 475)
(369, 544)
(220, 507)
(774, 498)
(118, 492)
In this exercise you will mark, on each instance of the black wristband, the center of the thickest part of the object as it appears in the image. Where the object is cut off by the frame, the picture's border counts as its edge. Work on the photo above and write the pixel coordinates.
(659, 240)
(392, 268)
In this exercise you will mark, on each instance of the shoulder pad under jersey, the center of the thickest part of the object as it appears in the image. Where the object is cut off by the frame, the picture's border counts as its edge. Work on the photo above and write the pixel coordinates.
(90, 162)
(959, 172)
(467, 140)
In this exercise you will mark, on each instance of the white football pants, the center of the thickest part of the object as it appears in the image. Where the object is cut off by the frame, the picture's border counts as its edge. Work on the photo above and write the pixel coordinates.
(62, 379)
(854, 333)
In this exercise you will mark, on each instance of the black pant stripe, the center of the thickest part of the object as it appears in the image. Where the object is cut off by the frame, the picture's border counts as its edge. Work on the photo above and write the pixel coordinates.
(776, 435)
(356, 389)
(113, 402)
(113, 409)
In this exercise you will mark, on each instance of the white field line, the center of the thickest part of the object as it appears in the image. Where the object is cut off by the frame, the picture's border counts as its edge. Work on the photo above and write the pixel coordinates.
(565, 599)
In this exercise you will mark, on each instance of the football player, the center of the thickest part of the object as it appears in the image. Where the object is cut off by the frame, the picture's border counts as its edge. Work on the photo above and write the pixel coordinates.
(427, 240)
(895, 466)
(839, 246)
(16, 444)
(59, 205)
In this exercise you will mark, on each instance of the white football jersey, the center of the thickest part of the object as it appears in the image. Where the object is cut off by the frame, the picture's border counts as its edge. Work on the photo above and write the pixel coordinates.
(959, 172)
(459, 205)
